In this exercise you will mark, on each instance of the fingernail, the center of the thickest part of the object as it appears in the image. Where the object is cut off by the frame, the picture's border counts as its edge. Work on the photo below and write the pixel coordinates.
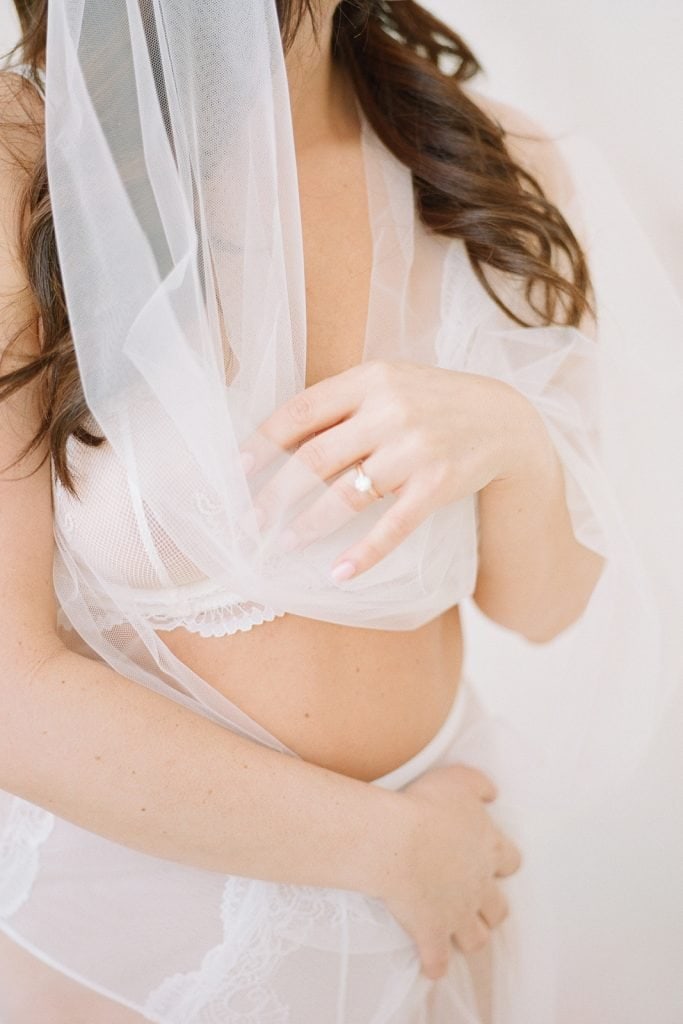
(343, 571)
(289, 540)
(248, 462)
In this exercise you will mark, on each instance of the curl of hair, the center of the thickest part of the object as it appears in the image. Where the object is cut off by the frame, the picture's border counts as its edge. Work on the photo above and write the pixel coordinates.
(407, 68)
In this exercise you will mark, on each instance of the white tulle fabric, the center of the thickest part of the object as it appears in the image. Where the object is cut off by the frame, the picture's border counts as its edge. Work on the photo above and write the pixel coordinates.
(174, 190)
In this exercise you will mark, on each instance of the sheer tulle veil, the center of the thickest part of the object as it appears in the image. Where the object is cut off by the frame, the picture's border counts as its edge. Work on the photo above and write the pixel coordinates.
(174, 190)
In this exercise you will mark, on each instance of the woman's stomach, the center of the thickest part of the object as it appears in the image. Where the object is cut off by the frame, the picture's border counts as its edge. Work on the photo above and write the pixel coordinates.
(356, 701)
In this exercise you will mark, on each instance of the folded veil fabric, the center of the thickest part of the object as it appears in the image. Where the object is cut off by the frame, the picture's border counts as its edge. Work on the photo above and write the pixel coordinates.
(173, 184)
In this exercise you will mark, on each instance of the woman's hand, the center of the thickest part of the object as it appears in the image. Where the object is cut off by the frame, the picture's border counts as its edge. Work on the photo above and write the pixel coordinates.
(430, 436)
(443, 886)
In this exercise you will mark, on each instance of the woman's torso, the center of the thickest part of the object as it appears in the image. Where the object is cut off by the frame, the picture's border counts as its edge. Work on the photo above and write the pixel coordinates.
(359, 701)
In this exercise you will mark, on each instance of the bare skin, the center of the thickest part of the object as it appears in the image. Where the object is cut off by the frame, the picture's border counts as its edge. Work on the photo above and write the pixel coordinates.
(333, 702)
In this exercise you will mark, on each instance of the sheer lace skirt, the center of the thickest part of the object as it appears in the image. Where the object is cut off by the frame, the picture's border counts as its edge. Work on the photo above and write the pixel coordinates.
(203, 947)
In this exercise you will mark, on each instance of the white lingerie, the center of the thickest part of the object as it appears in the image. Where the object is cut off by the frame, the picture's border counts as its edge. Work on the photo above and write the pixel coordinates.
(139, 559)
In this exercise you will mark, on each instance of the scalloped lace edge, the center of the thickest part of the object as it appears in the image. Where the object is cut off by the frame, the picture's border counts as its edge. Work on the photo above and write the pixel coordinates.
(223, 620)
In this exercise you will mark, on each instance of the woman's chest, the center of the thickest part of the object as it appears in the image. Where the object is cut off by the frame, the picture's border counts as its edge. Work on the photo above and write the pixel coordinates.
(338, 259)
(377, 287)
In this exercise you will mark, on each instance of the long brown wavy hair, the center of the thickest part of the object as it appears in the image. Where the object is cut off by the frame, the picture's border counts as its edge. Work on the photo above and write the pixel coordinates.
(408, 69)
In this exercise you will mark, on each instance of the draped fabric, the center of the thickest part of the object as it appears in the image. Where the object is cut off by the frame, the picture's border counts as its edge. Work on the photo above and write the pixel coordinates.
(173, 184)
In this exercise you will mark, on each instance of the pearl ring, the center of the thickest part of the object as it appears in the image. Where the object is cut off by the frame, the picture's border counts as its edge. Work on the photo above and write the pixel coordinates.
(363, 483)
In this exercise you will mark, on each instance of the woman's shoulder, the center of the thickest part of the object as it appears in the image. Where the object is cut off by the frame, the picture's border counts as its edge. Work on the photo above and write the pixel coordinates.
(530, 145)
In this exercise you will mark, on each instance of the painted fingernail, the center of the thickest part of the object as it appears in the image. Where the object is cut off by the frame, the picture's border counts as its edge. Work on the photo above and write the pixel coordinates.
(289, 540)
(248, 462)
(343, 571)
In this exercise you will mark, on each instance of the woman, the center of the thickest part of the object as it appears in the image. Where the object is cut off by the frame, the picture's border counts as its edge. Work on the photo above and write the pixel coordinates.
(173, 384)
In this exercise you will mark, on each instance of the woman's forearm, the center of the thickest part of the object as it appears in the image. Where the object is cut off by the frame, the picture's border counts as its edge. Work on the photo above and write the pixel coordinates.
(534, 576)
(129, 764)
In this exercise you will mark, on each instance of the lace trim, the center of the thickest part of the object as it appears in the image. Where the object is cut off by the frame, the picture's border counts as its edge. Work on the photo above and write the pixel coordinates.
(263, 924)
(223, 620)
(26, 829)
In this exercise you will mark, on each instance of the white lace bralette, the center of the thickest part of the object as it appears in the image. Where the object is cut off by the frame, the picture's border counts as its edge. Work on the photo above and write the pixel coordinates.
(104, 529)
(131, 561)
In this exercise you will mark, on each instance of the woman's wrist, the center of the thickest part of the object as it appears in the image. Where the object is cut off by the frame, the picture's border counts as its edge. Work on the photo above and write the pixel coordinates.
(386, 850)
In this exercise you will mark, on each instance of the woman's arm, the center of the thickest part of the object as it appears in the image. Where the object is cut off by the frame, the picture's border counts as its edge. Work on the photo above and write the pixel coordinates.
(534, 576)
(128, 764)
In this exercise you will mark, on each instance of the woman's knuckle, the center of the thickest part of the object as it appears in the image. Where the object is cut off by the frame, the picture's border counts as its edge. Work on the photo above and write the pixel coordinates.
(312, 455)
(495, 907)
(476, 940)
(511, 856)
(436, 965)
(498, 845)
(476, 781)
(378, 371)
(300, 409)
